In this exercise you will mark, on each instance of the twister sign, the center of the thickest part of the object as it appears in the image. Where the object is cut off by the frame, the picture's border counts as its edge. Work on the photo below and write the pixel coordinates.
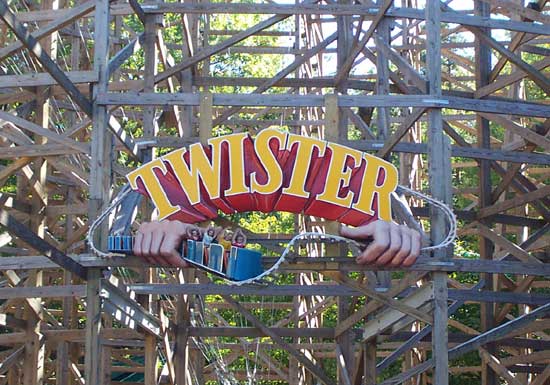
(275, 171)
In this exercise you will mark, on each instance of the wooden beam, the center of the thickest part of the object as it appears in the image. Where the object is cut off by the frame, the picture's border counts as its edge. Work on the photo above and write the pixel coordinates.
(506, 80)
(451, 16)
(382, 298)
(12, 359)
(17, 229)
(303, 8)
(520, 200)
(526, 13)
(45, 79)
(41, 55)
(513, 169)
(92, 356)
(212, 50)
(358, 47)
(314, 369)
(138, 10)
(389, 317)
(496, 365)
(542, 377)
(274, 100)
(43, 292)
(13, 167)
(538, 77)
(417, 337)
(344, 264)
(400, 132)
(517, 40)
(36, 150)
(524, 132)
(39, 130)
(487, 337)
(68, 17)
(507, 245)
(125, 53)
(299, 61)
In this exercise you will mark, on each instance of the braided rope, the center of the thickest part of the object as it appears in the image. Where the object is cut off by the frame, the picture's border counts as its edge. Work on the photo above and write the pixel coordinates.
(95, 224)
(448, 240)
(453, 222)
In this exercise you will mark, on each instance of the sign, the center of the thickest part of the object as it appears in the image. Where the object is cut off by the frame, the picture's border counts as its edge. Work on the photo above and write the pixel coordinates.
(275, 171)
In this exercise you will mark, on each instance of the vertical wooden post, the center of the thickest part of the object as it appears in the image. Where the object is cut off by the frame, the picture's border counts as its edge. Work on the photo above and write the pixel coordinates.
(205, 117)
(345, 340)
(62, 376)
(486, 247)
(293, 372)
(100, 182)
(383, 113)
(370, 362)
(33, 373)
(150, 129)
(383, 79)
(440, 182)
(181, 348)
(92, 355)
(62, 365)
(186, 77)
(150, 70)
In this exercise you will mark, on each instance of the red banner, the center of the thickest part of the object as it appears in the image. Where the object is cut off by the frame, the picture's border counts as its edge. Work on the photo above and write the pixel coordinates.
(275, 171)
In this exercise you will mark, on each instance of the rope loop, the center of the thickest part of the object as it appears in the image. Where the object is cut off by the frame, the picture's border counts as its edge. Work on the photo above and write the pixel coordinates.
(95, 224)
(448, 240)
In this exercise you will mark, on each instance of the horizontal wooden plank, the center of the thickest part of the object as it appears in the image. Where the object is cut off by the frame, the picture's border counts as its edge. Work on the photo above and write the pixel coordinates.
(43, 292)
(477, 21)
(71, 209)
(368, 12)
(262, 8)
(273, 290)
(255, 332)
(470, 216)
(287, 82)
(39, 150)
(287, 100)
(45, 79)
(375, 145)
(458, 151)
(54, 14)
(73, 335)
(270, 290)
(306, 264)
(498, 296)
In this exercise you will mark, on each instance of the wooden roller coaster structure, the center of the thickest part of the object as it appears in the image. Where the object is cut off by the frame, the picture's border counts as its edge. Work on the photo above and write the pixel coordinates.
(448, 90)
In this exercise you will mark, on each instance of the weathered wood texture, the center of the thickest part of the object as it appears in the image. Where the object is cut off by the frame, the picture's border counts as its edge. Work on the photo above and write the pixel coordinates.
(439, 83)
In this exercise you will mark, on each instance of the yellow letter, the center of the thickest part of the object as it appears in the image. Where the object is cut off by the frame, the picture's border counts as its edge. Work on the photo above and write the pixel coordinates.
(302, 162)
(235, 143)
(153, 187)
(199, 169)
(268, 161)
(369, 187)
(339, 175)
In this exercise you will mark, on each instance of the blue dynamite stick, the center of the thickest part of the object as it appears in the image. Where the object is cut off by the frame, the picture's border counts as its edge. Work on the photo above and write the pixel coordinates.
(243, 263)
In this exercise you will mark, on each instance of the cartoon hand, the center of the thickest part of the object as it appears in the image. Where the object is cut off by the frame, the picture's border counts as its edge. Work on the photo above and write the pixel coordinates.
(392, 244)
(159, 242)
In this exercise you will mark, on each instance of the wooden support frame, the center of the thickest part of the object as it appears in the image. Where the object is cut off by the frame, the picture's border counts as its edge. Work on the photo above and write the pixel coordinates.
(60, 156)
